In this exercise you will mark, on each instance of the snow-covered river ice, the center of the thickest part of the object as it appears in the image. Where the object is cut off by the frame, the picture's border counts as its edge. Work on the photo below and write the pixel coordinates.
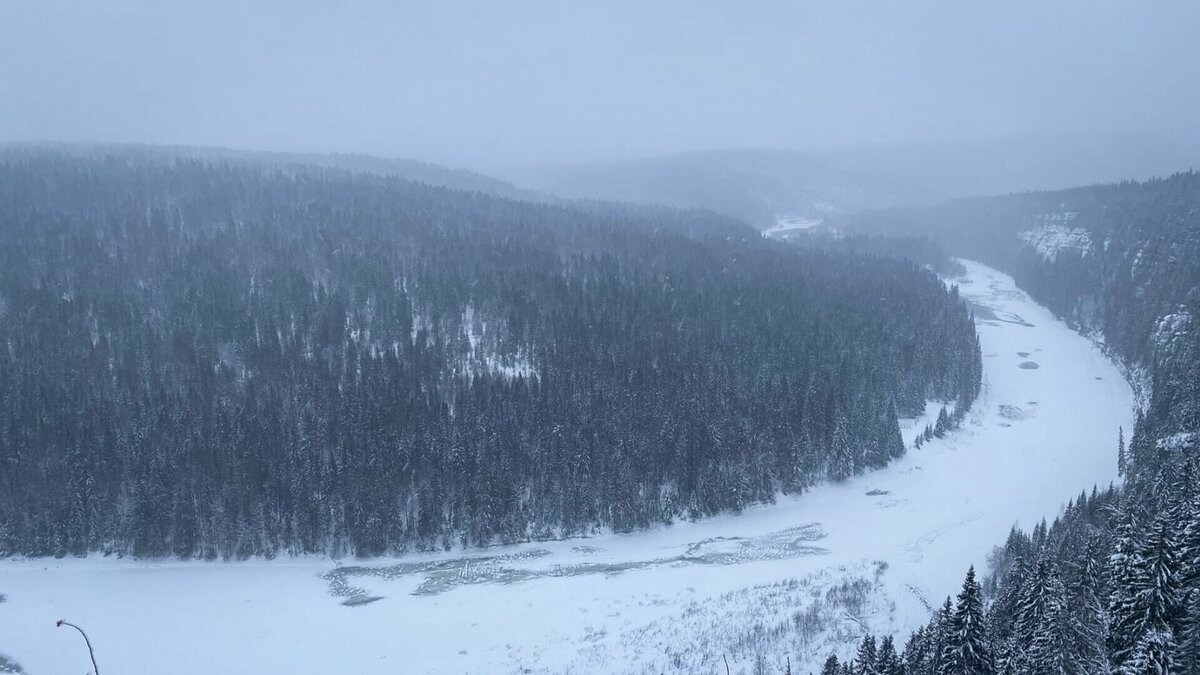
(793, 579)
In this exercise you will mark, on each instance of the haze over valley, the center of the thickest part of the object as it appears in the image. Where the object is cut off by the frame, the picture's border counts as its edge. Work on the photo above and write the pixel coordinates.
(678, 337)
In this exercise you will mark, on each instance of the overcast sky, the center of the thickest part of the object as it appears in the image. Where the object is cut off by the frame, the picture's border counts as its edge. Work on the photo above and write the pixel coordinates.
(510, 81)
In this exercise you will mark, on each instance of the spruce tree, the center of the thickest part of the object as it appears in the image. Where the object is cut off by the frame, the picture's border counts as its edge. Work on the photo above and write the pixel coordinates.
(865, 660)
(916, 659)
(939, 628)
(1157, 594)
(842, 463)
(1189, 543)
(1124, 571)
(966, 651)
(1042, 595)
(1003, 614)
(1088, 618)
(1153, 654)
(1121, 451)
(943, 423)
(1188, 658)
(887, 662)
(1050, 649)
(1144, 619)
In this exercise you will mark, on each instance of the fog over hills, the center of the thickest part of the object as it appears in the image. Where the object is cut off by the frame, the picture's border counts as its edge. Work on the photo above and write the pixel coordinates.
(485, 84)
(528, 337)
(761, 185)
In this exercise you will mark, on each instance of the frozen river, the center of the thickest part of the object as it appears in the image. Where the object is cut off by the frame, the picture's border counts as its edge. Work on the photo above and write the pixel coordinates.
(792, 579)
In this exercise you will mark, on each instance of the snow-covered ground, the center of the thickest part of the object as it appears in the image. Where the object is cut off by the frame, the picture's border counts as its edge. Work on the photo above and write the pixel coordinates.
(785, 225)
(1050, 240)
(786, 580)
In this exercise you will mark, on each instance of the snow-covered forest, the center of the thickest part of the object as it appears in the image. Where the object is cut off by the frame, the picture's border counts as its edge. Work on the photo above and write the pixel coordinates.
(1113, 583)
(171, 391)
(217, 359)
(797, 579)
(558, 338)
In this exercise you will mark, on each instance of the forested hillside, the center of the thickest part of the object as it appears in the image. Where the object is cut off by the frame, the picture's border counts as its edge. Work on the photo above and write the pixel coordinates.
(1113, 585)
(920, 250)
(226, 358)
(1107, 258)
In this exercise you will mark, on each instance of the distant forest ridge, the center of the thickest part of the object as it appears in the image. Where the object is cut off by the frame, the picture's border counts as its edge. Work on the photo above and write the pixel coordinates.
(761, 185)
(406, 169)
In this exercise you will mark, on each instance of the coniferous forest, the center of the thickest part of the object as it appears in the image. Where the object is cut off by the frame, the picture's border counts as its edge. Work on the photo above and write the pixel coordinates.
(220, 358)
(695, 337)
(1112, 584)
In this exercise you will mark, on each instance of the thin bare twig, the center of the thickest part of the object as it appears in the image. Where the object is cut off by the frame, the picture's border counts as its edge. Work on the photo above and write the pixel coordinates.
(91, 652)
(856, 620)
(726, 664)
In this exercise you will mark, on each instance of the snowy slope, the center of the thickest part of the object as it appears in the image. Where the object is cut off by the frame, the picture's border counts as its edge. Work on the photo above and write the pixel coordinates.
(1051, 239)
(791, 224)
(786, 580)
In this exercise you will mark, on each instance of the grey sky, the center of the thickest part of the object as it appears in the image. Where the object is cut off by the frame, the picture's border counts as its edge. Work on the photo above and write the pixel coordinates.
(513, 81)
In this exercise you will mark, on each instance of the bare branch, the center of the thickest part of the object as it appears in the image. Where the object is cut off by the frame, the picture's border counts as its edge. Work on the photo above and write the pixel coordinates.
(91, 652)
